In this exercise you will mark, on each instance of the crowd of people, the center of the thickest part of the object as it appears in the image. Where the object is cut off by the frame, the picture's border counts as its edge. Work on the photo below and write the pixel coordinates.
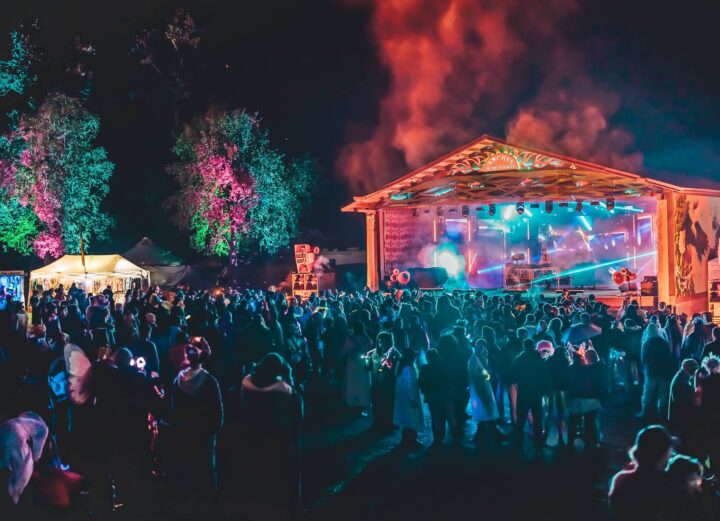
(187, 384)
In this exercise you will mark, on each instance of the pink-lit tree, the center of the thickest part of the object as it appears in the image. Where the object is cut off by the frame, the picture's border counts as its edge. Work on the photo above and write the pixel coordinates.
(52, 168)
(236, 190)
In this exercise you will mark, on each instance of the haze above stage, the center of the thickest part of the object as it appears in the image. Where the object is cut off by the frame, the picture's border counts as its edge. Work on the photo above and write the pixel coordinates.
(471, 210)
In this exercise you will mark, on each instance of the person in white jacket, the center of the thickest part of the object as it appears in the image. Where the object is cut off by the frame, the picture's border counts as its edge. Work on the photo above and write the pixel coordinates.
(482, 406)
(408, 411)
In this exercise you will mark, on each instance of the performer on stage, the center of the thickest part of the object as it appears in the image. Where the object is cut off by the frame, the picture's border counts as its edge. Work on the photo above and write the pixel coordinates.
(545, 259)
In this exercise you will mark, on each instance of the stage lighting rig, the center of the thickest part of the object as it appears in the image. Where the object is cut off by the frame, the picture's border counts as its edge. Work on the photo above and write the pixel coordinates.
(520, 207)
(610, 203)
(578, 206)
(465, 210)
(439, 211)
(491, 209)
(548, 206)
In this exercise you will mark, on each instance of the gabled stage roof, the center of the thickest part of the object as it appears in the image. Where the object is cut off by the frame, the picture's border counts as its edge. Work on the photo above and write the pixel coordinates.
(492, 170)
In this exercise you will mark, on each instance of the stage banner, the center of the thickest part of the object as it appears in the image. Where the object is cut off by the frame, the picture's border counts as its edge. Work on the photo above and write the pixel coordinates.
(697, 229)
(404, 237)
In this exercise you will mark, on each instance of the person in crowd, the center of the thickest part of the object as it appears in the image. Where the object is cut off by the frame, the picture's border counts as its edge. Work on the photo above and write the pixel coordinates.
(483, 408)
(685, 475)
(356, 380)
(559, 365)
(456, 360)
(586, 390)
(713, 346)
(710, 407)
(146, 349)
(380, 362)
(683, 409)
(532, 380)
(659, 367)
(673, 333)
(632, 343)
(408, 412)
(266, 466)
(694, 342)
(437, 389)
(196, 413)
(642, 490)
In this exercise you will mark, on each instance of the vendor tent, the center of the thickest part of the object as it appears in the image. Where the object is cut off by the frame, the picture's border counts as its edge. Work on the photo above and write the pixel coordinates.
(98, 272)
(166, 268)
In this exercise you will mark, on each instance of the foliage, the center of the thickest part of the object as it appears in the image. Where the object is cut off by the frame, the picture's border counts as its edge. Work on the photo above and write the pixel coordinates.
(235, 188)
(15, 75)
(52, 169)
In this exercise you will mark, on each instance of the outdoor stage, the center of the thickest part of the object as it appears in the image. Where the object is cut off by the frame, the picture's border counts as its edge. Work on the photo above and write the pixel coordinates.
(500, 217)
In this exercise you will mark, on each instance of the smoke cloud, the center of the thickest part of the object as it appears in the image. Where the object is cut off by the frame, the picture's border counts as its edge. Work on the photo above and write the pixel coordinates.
(459, 67)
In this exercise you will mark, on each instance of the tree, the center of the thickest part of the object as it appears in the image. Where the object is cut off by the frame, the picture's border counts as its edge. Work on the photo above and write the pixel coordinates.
(54, 178)
(236, 190)
(15, 75)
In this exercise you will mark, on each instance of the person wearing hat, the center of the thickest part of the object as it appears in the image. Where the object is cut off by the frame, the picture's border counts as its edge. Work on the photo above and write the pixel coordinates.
(642, 491)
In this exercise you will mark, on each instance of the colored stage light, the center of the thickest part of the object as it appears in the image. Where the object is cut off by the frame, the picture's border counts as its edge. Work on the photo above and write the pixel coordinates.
(586, 223)
(465, 210)
(622, 261)
(439, 211)
(610, 204)
(520, 208)
(415, 212)
(448, 260)
(548, 206)
(491, 209)
(578, 206)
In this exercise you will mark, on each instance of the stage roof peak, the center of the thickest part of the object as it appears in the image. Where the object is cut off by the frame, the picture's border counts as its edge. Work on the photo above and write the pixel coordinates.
(491, 169)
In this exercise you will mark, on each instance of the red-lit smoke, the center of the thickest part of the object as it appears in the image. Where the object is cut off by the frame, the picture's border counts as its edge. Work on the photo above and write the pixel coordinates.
(458, 67)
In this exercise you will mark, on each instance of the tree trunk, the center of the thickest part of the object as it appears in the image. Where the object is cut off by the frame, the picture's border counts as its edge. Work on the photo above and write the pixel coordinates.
(233, 247)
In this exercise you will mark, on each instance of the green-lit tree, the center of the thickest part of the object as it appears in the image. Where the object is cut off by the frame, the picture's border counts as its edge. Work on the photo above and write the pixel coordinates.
(236, 190)
(54, 177)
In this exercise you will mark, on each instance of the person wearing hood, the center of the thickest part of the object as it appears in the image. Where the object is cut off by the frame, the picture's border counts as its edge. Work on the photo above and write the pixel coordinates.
(270, 414)
(196, 416)
(659, 367)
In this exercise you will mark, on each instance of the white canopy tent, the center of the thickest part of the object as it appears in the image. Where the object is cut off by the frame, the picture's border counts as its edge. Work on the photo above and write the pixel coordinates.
(98, 272)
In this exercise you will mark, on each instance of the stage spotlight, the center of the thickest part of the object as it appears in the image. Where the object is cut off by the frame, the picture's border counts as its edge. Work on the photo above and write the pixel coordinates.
(548, 206)
(478, 208)
(415, 212)
(534, 205)
(491, 209)
(520, 207)
(610, 203)
(439, 211)
(465, 210)
(563, 205)
(578, 206)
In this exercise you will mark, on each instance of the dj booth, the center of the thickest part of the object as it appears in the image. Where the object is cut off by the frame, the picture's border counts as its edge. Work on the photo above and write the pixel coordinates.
(520, 277)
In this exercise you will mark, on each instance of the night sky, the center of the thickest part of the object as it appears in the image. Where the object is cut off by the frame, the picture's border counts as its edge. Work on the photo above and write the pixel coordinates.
(313, 71)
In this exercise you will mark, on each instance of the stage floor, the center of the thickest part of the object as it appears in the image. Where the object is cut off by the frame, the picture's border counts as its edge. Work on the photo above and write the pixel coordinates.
(607, 295)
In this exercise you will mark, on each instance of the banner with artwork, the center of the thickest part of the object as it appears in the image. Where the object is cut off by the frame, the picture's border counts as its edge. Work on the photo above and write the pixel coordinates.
(697, 229)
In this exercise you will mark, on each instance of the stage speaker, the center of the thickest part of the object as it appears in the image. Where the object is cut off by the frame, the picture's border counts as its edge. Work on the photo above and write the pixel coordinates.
(426, 278)
(649, 287)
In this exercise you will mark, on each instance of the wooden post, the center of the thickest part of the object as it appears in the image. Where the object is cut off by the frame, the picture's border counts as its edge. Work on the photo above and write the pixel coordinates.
(372, 249)
(665, 254)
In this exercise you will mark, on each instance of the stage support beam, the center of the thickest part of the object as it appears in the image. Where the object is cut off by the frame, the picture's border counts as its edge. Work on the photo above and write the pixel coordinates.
(372, 233)
(665, 256)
